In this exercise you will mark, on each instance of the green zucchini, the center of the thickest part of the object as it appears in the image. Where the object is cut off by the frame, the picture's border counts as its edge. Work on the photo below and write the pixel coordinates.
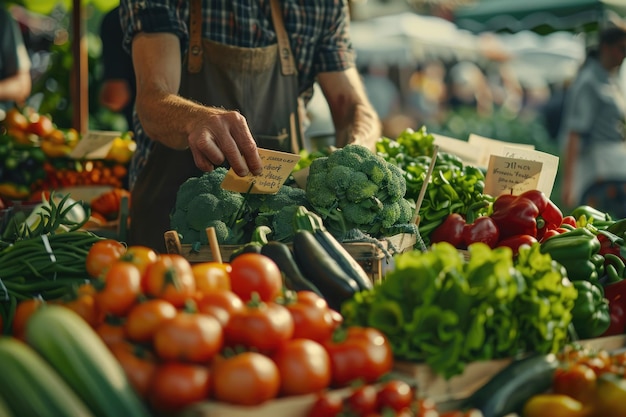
(82, 359)
(282, 255)
(5, 411)
(29, 386)
(323, 270)
(507, 391)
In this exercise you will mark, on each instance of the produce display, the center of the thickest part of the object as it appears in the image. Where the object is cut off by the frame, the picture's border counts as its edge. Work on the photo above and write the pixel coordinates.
(290, 322)
(35, 155)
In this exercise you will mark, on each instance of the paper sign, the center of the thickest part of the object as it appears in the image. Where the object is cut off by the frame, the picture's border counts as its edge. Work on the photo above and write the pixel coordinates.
(511, 175)
(549, 170)
(468, 153)
(492, 147)
(94, 144)
(276, 169)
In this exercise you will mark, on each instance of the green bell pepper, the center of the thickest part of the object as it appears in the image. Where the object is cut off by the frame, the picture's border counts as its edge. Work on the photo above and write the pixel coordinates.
(590, 315)
(577, 250)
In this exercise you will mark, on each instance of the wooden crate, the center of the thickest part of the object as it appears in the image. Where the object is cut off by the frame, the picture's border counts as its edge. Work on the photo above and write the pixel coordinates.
(478, 373)
(371, 257)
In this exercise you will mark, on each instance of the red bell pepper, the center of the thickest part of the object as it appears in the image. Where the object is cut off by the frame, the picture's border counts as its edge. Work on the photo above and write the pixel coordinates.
(451, 231)
(550, 215)
(569, 221)
(483, 229)
(517, 216)
(514, 242)
(616, 294)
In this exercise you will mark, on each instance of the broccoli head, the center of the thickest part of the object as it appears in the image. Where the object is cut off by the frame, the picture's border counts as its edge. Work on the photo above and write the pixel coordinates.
(354, 187)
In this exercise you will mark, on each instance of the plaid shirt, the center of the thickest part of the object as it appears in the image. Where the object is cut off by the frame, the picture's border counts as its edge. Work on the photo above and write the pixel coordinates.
(318, 31)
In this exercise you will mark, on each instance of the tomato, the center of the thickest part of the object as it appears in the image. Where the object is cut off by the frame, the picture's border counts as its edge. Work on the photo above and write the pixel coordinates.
(23, 311)
(553, 405)
(249, 378)
(326, 405)
(221, 304)
(40, 125)
(253, 272)
(139, 365)
(576, 380)
(262, 326)
(170, 277)
(191, 337)
(177, 385)
(101, 255)
(15, 119)
(362, 400)
(211, 276)
(84, 304)
(111, 331)
(121, 289)
(144, 318)
(304, 367)
(142, 256)
(395, 394)
(362, 353)
(312, 317)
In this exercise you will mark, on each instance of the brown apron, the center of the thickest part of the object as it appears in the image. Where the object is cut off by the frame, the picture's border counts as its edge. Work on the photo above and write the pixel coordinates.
(261, 83)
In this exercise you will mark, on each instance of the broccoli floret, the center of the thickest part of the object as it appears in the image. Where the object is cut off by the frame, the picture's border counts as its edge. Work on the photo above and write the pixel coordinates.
(229, 202)
(283, 226)
(407, 210)
(203, 209)
(189, 190)
(365, 187)
(222, 232)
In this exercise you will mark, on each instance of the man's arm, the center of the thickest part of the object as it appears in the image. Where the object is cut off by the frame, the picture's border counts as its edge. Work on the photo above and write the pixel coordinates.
(16, 87)
(213, 135)
(354, 116)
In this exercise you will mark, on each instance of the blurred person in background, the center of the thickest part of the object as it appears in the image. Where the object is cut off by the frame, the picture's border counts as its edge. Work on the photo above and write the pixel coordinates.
(218, 79)
(15, 79)
(118, 80)
(593, 126)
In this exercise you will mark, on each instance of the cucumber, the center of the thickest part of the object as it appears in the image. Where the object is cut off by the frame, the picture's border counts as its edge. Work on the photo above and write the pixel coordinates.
(510, 388)
(323, 270)
(82, 359)
(281, 254)
(29, 386)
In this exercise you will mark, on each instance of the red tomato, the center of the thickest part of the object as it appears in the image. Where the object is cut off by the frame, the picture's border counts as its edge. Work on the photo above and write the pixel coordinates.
(249, 378)
(177, 385)
(211, 276)
(312, 317)
(170, 277)
(122, 287)
(84, 304)
(138, 363)
(190, 337)
(364, 353)
(362, 400)
(326, 405)
(146, 317)
(221, 304)
(304, 367)
(395, 394)
(142, 256)
(23, 311)
(111, 332)
(255, 273)
(102, 255)
(262, 326)
(40, 125)
(577, 381)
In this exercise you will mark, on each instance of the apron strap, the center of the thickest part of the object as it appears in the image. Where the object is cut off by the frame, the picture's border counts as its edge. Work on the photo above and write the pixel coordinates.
(194, 62)
(287, 63)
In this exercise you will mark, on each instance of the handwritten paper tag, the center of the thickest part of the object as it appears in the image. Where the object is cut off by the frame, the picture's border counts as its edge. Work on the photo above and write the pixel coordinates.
(468, 153)
(491, 147)
(549, 170)
(276, 169)
(95, 144)
(511, 175)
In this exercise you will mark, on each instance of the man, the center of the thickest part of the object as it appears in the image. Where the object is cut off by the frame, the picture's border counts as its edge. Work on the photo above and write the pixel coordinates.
(592, 131)
(216, 79)
(15, 80)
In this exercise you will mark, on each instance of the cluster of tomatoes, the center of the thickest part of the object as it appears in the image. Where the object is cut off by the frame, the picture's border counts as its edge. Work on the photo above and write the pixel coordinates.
(587, 383)
(226, 332)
